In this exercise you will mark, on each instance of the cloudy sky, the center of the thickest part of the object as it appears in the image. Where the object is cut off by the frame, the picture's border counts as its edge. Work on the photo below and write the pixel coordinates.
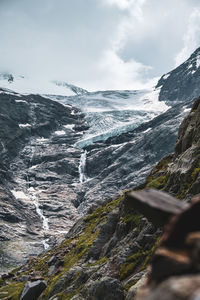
(97, 44)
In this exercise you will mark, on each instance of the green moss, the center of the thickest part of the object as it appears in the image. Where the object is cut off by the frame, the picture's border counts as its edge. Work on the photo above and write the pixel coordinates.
(157, 183)
(137, 260)
(70, 255)
(99, 262)
(130, 284)
(11, 291)
(190, 180)
(83, 241)
(149, 254)
(159, 176)
(131, 218)
(129, 266)
(104, 209)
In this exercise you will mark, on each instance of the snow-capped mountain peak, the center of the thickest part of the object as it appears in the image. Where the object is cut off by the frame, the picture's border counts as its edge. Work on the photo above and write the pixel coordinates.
(183, 83)
(30, 85)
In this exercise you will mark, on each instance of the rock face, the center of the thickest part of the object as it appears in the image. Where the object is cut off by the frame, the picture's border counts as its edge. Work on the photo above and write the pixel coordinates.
(124, 161)
(179, 173)
(38, 173)
(181, 84)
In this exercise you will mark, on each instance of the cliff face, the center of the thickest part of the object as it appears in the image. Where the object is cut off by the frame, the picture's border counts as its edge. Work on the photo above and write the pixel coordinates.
(178, 174)
(105, 254)
(36, 167)
(181, 84)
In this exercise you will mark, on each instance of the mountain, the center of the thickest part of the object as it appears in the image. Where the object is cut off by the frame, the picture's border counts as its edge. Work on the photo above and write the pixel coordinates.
(181, 84)
(29, 85)
(105, 254)
(62, 156)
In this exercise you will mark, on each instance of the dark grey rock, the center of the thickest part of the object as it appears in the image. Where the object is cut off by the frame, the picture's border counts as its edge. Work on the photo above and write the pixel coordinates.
(107, 288)
(33, 290)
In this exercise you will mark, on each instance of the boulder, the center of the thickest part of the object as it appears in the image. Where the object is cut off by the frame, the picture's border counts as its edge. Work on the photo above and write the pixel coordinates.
(33, 290)
(106, 289)
(157, 206)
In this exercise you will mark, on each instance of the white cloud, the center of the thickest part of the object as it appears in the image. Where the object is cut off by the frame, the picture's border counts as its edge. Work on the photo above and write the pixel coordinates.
(120, 73)
(97, 44)
(191, 37)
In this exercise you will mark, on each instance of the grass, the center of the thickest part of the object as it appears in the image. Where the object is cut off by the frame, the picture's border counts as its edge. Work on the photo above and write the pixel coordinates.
(11, 291)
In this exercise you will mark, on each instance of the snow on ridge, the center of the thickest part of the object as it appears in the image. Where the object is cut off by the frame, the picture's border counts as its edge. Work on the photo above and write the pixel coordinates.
(166, 76)
(25, 85)
(198, 61)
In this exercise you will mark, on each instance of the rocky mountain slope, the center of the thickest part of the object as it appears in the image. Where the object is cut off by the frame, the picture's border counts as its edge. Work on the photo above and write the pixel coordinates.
(38, 169)
(181, 84)
(105, 254)
(49, 169)
(179, 173)
(47, 175)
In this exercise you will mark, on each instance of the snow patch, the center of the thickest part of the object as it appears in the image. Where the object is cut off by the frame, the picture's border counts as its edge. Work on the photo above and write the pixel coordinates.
(60, 132)
(41, 140)
(19, 195)
(186, 109)
(190, 66)
(69, 126)
(25, 85)
(166, 76)
(24, 125)
(21, 101)
(198, 62)
(147, 130)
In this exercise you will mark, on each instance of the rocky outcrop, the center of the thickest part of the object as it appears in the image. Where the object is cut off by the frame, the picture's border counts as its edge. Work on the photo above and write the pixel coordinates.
(178, 174)
(33, 290)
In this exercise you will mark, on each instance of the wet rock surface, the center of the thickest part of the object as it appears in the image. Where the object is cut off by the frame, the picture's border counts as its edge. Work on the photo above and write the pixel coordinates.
(39, 174)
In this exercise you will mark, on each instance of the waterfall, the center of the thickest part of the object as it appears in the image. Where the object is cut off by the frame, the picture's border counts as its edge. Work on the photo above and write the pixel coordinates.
(44, 220)
(82, 166)
(34, 198)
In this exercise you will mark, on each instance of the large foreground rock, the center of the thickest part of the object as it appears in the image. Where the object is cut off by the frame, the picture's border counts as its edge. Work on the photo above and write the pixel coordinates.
(33, 290)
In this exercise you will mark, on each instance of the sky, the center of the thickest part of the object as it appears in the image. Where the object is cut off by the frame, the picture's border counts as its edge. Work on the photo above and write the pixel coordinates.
(97, 44)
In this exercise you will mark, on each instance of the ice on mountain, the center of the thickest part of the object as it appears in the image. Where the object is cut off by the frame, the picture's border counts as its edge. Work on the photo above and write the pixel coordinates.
(21, 101)
(19, 195)
(24, 125)
(69, 126)
(166, 76)
(60, 132)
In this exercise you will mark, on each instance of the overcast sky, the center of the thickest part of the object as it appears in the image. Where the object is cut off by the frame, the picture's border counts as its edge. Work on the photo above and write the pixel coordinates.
(97, 44)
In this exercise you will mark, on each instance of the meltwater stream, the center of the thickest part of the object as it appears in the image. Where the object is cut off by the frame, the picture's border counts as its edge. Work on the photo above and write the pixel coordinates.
(82, 167)
(43, 219)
